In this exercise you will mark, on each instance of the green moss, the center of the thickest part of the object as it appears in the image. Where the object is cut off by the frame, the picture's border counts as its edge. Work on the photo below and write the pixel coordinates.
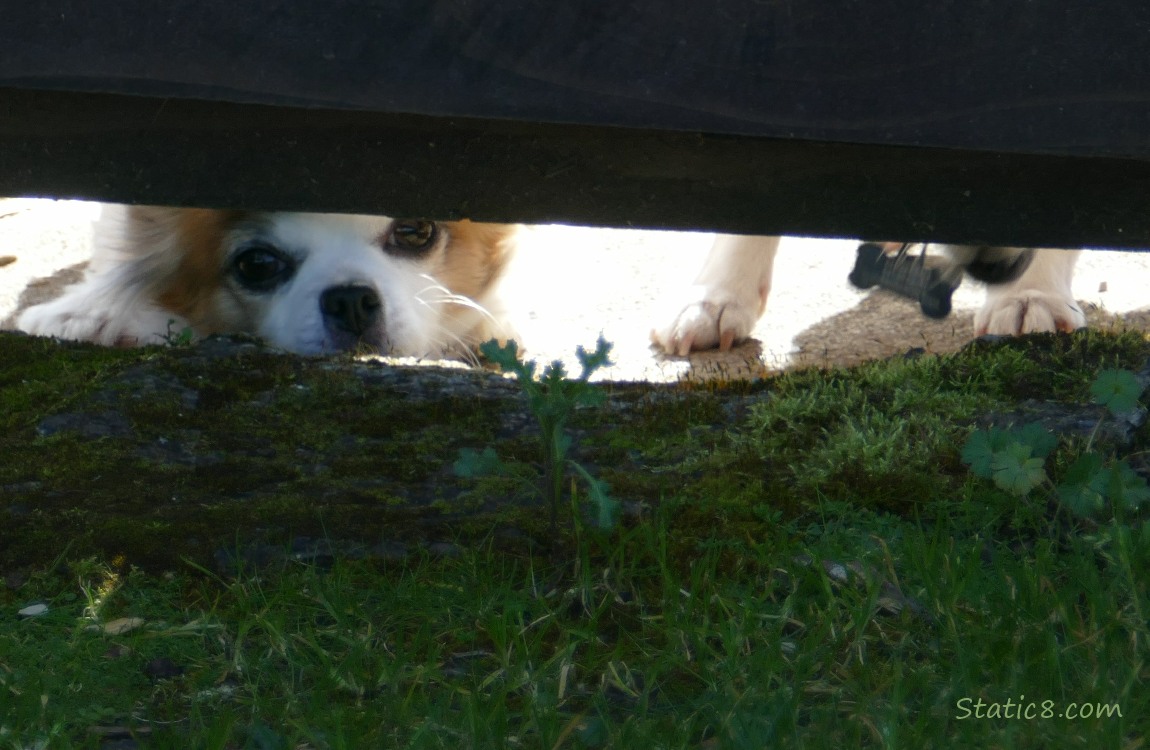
(709, 614)
(219, 449)
(39, 375)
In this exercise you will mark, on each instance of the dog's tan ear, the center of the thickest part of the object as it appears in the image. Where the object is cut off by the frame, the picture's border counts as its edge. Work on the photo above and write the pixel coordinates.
(477, 256)
(176, 253)
(152, 214)
(139, 230)
(195, 234)
(472, 266)
(173, 220)
(151, 223)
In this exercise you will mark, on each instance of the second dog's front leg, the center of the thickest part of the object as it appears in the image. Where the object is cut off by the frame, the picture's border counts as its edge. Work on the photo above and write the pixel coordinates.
(726, 300)
(1041, 299)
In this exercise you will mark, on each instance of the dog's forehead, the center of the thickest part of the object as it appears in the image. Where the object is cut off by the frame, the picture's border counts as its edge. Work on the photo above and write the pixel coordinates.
(309, 229)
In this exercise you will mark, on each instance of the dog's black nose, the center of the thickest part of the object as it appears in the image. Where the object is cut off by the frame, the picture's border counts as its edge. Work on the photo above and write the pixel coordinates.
(353, 309)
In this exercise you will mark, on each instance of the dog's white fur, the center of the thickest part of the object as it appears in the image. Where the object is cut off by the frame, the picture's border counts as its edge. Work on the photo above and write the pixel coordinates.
(730, 294)
(1039, 300)
(156, 271)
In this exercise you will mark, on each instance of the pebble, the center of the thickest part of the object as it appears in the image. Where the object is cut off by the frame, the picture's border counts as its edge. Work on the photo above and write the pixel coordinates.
(119, 626)
(34, 610)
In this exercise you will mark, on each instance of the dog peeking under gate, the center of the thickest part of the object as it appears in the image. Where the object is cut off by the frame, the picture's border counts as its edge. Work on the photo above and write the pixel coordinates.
(730, 293)
(327, 283)
(308, 283)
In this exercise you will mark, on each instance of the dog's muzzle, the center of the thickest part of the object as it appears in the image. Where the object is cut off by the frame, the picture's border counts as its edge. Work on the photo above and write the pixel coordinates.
(352, 315)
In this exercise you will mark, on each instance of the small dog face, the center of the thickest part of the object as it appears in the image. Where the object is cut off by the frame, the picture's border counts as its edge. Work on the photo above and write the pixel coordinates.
(309, 283)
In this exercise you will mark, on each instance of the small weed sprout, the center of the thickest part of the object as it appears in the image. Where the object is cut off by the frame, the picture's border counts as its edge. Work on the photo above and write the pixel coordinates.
(552, 399)
(181, 338)
(1015, 459)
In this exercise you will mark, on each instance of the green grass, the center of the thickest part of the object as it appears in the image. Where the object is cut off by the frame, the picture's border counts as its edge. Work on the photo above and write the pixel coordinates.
(746, 644)
(813, 567)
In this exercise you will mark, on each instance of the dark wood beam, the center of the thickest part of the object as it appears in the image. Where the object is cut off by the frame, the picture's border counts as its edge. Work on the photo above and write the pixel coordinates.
(189, 152)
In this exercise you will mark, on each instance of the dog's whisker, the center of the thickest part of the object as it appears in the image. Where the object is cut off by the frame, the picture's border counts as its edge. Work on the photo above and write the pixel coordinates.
(447, 343)
(442, 292)
(447, 297)
(433, 286)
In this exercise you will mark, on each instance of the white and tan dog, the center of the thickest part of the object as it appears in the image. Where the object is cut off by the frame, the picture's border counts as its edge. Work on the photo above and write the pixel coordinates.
(308, 283)
(325, 283)
(730, 294)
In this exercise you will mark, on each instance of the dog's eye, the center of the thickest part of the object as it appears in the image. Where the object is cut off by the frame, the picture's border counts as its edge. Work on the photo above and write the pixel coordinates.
(411, 237)
(261, 267)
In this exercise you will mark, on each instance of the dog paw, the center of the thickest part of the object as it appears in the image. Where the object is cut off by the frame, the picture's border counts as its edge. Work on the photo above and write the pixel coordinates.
(55, 320)
(67, 324)
(1028, 311)
(706, 322)
(64, 320)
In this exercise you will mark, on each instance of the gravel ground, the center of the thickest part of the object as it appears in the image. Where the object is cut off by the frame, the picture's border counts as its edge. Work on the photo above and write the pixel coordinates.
(571, 283)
